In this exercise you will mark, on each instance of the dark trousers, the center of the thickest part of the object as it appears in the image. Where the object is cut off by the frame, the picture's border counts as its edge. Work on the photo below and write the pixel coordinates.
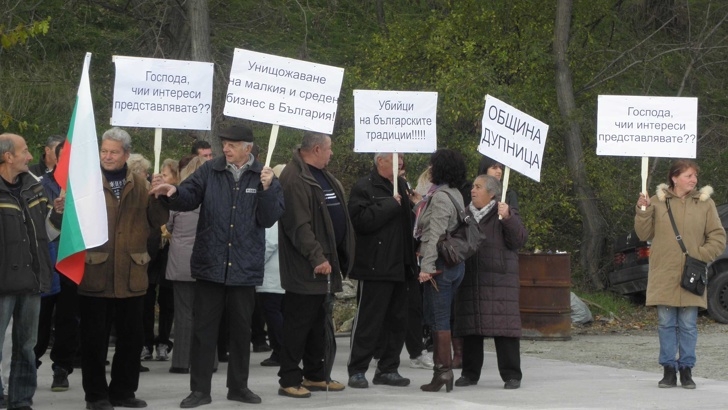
(381, 316)
(413, 339)
(303, 339)
(66, 343)
(211, 300)
(257, 328)
(45, 325)
(163, 295)
(97, 314)
(508, 353)
(271, 304)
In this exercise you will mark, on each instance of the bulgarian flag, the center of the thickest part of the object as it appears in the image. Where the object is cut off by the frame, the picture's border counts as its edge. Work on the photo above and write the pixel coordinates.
(79, 175)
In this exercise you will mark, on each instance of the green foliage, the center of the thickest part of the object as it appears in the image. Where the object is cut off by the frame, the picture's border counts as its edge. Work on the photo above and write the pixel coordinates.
(608, 304)
(462, 49)
(22, 32)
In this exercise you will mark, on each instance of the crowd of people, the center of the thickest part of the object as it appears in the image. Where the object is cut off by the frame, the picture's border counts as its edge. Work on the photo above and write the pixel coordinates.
(224, 244)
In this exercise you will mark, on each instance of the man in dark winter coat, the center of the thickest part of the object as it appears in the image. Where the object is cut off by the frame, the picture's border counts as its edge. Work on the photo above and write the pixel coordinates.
(385, 256)
(25, 266)
(316, 245)
(239, 198)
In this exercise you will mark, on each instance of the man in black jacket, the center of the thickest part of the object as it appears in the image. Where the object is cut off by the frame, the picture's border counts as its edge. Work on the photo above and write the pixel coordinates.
(48, 159)
(25, 266)
(385, 256)
(239, 198)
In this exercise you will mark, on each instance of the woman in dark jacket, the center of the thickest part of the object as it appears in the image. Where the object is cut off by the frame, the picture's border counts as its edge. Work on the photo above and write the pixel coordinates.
(487, 301)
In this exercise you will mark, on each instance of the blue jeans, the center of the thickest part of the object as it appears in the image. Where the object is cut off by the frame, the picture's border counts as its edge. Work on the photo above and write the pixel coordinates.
(678, 332)
(24, 310)
(438, 304)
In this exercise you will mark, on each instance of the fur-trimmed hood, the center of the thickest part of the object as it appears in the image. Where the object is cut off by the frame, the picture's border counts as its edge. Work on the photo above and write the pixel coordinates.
(663, 192)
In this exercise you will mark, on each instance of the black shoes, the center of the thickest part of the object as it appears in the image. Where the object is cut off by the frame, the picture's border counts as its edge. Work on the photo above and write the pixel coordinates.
(391, 379)
(130, 402)
(179, 370)
(358, 381)
(99, 405)
(196, 399)
(270, 362)
(465, 381)
(243, 395)
(261, 348)
(686, 378)
(669, 378)
(512, 384)
(60, 380)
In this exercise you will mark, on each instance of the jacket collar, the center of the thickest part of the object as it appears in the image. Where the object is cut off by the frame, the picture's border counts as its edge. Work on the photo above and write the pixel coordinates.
(28, 179)
(664, 192)
(219, 164)
(303, 166)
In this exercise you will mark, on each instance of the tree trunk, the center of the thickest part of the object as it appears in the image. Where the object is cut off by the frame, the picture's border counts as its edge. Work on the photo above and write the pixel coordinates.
(592, 243)
(199, 19)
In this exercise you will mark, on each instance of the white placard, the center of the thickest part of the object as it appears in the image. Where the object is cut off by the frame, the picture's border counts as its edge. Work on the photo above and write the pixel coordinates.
(513, 138)
(155, 93)
(638, 126)
(283, 91)
(395, 121)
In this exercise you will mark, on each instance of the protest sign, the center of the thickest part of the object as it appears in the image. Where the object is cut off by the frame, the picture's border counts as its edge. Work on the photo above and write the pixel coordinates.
(638, 126)
(155, 93)
(395, 121)
(513, 138)
(283, 91)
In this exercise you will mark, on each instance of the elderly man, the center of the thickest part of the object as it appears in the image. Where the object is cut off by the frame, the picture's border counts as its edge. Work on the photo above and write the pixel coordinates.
(239, 198)
(115, 280)
(25, 267)
(48, 159)
(316, 245)
(385, 257)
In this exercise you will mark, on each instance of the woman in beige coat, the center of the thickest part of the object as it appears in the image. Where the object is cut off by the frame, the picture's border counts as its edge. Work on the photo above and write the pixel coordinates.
(697, 221)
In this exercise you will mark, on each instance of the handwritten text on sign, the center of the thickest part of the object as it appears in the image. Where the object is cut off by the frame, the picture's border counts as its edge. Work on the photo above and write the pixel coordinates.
(513, 138)
(155, 93)
(395, 121)
(638, 126)
(283, 91)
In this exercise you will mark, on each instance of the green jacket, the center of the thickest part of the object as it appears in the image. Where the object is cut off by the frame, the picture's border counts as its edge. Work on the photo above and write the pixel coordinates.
(306, 234)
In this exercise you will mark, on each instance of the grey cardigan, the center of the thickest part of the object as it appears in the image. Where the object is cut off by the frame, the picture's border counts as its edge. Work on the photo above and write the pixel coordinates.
(439, 217)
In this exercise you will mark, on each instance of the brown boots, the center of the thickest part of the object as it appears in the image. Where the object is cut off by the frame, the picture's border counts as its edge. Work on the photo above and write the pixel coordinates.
(443, 363)
(457, 352)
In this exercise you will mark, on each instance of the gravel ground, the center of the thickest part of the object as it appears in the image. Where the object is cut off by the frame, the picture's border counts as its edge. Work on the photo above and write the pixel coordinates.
(632, 345)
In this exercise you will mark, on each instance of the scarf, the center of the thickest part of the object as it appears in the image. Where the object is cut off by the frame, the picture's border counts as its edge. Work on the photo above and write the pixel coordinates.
(478, 214)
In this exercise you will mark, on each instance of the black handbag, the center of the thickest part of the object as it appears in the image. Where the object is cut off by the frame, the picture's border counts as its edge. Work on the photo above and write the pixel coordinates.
(463, 242)
(695, 272)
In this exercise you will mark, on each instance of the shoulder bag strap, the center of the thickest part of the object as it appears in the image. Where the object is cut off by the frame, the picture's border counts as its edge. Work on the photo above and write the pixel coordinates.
(461, 212)
(674, 228)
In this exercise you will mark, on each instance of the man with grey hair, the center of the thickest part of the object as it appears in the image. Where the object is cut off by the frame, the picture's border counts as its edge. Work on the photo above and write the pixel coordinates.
(238, 198)
(115, 280)
(316, 245)
(48, 158)
(385, 259)
(25, 264)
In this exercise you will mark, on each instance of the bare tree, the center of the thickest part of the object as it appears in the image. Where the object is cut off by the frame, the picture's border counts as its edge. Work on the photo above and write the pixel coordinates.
(198, 16)
(592, 243)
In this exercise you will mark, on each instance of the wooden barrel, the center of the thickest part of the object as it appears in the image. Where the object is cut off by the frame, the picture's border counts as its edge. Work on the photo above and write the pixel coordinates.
(545, 301)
